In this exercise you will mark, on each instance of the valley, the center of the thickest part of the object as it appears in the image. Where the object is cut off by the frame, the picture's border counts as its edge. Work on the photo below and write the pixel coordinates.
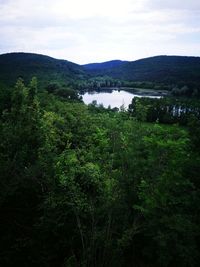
(99, 164)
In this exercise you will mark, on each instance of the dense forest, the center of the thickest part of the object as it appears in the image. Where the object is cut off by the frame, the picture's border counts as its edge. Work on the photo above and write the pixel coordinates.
(178, 75)
(88, 186)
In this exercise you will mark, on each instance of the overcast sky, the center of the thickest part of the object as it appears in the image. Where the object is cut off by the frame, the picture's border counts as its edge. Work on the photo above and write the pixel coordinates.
(86, 31)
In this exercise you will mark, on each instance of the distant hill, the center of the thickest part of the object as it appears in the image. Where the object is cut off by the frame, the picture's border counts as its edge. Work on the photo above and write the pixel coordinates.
(46, 69)
(98, 67)
(167, 69)
(159, 69)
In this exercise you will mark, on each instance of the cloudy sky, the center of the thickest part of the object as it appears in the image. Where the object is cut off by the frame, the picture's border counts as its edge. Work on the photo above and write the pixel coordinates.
(86, 31)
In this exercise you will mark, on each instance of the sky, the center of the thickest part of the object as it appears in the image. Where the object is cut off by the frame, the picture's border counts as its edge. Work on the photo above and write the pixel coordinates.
(85, 31)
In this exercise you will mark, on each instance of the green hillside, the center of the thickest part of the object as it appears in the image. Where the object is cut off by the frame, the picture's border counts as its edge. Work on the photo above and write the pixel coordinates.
(160, 68)
(46, 69)
(83, 185)
(176, 73)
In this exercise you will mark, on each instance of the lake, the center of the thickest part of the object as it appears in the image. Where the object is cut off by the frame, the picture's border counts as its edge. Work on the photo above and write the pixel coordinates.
(114, 98)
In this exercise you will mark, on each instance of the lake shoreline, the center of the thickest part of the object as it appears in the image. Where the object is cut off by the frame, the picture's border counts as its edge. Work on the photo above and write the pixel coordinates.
(137, 91)
(114, 97)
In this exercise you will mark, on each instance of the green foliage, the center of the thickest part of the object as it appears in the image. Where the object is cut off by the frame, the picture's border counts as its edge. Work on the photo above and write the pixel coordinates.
(86, 186)
(63, 92)
(153, 72)
(46, 69)
(150, 73)
(165, 110)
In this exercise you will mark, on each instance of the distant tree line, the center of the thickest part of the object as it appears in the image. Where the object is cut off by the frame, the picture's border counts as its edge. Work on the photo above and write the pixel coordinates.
(165, 110)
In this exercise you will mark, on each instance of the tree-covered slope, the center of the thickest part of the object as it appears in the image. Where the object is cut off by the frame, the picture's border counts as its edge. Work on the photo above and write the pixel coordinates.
(46, 69)
(98, 67)
(169, 69)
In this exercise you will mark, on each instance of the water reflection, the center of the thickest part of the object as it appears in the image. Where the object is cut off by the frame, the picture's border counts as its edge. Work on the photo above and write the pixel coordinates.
(112, 98)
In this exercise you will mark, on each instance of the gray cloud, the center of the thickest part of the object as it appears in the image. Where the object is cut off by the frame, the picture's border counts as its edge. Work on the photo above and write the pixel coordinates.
(91, 30)
(175, 4)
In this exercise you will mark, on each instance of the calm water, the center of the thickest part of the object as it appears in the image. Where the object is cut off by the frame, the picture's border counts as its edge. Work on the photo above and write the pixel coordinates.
(115, 98)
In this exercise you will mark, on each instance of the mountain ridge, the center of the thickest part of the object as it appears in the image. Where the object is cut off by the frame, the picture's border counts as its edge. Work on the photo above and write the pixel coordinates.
(46, 69)
(151, 69)
(161, 69)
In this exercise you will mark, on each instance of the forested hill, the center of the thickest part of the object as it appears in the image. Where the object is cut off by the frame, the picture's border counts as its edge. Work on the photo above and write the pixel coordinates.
(46, 69)
(168, 69)
(104, 66)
